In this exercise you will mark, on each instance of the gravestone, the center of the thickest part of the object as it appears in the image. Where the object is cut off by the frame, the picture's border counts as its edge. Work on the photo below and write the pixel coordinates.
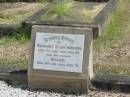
(61, 58)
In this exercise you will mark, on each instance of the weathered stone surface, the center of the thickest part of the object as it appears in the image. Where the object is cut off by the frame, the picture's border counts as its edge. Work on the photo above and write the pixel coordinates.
(62, 80)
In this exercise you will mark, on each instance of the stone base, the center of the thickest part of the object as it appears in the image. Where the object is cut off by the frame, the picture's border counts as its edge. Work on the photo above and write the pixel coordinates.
(59, 84)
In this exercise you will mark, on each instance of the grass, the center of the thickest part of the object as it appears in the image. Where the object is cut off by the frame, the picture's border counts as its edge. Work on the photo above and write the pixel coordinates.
(14, 50)
(18, 14)
(13, 53)
(111, 51)
(62, 8)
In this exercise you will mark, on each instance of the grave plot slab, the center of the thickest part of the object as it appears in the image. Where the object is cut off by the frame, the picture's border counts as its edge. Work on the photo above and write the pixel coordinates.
(80, 11)
(90, 13)
(13, 14)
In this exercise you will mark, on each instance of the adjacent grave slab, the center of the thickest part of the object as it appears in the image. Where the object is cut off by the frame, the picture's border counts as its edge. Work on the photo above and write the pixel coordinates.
(61, 58)
(13, 14)
(90, 13)
(16, 13)
(79, 12)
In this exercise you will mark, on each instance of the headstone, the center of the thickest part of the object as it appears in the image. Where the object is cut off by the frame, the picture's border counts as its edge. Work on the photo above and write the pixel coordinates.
(60, 58)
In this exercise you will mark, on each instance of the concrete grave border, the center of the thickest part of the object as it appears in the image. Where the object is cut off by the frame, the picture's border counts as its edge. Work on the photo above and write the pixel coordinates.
(97, 26)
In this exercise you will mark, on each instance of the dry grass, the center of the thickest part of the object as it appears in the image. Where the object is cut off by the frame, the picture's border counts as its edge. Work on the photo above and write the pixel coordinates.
(13, 54)
(116, 60)
(90, 10)
(112, 51)
(16, 14)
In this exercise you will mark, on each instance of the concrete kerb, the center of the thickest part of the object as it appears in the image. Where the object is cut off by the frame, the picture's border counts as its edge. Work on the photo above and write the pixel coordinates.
(119, 83)
(6, 29)
(103, 17)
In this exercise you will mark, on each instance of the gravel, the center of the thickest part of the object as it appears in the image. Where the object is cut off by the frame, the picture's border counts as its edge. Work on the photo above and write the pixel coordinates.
(7, 90)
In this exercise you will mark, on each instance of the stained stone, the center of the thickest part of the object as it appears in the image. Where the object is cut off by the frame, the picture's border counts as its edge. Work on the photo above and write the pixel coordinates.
(61, 58)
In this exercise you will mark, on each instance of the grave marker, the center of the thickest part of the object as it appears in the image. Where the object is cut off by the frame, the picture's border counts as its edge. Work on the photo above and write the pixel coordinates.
(60, 58)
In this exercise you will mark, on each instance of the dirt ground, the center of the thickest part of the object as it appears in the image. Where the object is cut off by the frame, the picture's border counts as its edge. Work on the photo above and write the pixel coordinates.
(14, 55)
(4, 6)
(116, 60)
